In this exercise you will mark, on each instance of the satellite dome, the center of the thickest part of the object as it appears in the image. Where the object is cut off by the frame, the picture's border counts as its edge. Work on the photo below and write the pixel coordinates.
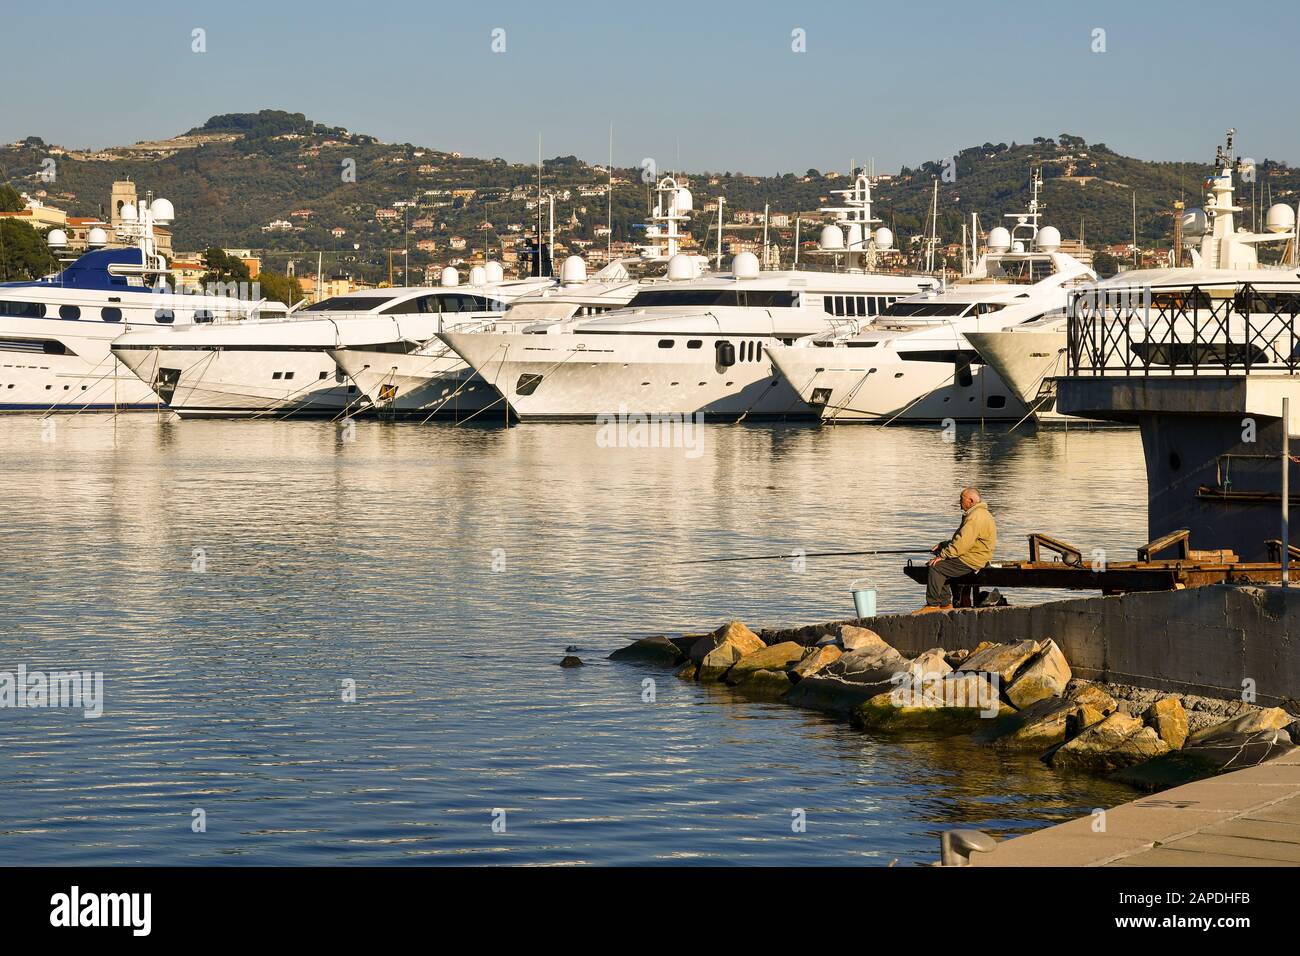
(97, 237)
(57, 238)
(999, 239)
(1280, 218)
(162, 210)
(831, 239)
(127, 212)
(450, 277)
(855, 235)
(1017, 246)
(745, 266)
(1194, 223)
(680, 267)
(494, 272)
(884, 238)
(573, 271)
(477, 275)
(1048, 239)
(685, 201)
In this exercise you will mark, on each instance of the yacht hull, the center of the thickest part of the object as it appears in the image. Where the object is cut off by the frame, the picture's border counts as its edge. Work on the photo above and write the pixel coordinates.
(577, 376)
(863, 385)
(1029, 362)
(416, 384)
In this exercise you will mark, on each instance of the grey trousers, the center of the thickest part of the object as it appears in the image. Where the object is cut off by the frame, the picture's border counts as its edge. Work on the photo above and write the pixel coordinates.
(942, 571)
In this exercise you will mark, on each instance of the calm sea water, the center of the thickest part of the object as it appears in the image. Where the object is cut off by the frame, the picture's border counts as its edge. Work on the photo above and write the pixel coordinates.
(445, 570)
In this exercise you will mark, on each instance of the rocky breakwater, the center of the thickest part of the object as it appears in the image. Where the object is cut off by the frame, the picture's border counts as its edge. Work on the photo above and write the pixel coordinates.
(1017, 696)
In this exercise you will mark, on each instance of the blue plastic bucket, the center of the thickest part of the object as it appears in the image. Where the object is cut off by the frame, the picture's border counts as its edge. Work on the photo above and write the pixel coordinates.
(864, 598)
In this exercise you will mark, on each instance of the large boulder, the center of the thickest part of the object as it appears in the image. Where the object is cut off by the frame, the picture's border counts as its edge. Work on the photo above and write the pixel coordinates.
(763, 683)
(1169, 720)
(1046, 723)
(944, 702)
(1002, 660)
(930, 662)
(854, 638)
(1265, 718)
(1234, 751)
(849, 680)
(1094, 696)
(817, 658)
(778, 657)
(688, 671)
(651, 650)
(714, 655)
(1044, 675)
(1111, 744)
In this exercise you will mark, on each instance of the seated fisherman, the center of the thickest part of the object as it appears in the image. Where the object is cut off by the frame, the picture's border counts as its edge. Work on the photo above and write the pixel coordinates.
(969, 549)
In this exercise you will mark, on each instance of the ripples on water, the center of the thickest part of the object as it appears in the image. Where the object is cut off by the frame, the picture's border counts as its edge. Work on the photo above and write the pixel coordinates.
(372, 561)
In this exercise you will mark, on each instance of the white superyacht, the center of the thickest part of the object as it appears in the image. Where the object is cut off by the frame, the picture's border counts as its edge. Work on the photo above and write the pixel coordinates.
(695, 343)
(1031, 356)
(56, 332)
(282, 368)
(915, 362)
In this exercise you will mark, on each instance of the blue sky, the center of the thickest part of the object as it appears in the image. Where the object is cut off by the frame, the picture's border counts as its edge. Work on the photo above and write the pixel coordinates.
(717, 83)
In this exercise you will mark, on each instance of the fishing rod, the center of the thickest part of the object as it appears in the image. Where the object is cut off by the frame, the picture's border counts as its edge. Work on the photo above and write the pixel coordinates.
(809, 554)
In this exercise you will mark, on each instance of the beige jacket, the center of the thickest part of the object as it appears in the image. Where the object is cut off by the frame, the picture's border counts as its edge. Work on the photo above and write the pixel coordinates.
(974, 540)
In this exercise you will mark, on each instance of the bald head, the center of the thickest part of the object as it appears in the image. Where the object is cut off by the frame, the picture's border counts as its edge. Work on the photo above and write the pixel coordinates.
(969, 498)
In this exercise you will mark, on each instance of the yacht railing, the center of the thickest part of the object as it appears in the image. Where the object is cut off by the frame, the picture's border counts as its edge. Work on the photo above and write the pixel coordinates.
(1194, 331)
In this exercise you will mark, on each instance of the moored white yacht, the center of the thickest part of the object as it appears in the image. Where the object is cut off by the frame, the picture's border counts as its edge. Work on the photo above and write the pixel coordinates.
(283, 368)
(55, 332)
(406, 378)
(693, 343)
(915, 363)
(1030, 357)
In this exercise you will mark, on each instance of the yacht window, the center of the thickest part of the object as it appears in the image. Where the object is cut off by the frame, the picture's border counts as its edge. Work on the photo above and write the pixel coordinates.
(322, 375)
(111, 314)
(753, 298)
(166, 315)
(276, 375)
(288, 375)
(69, 312)
(348, 303)
(923, 309)
(665, 343)
(873, 305)
(23, 310)
(758, 351)
(997, 401)
(695, 344)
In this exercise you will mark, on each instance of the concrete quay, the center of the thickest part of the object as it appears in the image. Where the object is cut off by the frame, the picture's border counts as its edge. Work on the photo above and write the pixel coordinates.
(1248, 817)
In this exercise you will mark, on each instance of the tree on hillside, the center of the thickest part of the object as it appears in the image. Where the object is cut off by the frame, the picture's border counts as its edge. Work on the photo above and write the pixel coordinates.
(10, 201)
(23, 252)
(278, 287)
(1104, 264)
(221, 266)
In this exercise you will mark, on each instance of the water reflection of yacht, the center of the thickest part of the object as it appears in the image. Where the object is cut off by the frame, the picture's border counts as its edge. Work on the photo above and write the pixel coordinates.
(283, 367)
(432, 379)
(915, 362)
(695, 343)
(55, 332)
(1030, 357)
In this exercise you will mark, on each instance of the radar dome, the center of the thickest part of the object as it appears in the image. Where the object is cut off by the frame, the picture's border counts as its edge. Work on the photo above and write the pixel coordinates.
(745, 266)
(477, 275)
(831, 239)
(999, 239)
(97, 237)
(1017, 246)
(57, 238)
(1194, 223)
(162, 210)
(1280, 218)
(450, 277)
(494, 272)
(1048, 239)
(680, 267)
(573, 271)
(884, 238)
(685, 201)
(127, 212)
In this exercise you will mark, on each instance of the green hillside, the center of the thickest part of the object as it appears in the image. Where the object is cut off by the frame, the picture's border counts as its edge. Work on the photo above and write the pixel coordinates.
(239, 172)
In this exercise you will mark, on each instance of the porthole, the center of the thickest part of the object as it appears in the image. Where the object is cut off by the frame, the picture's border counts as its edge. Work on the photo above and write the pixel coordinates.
(69, 312)
(110, 314)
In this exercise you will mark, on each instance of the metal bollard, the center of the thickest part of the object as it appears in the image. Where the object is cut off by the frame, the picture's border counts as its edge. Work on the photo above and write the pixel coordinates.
(956, 846)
